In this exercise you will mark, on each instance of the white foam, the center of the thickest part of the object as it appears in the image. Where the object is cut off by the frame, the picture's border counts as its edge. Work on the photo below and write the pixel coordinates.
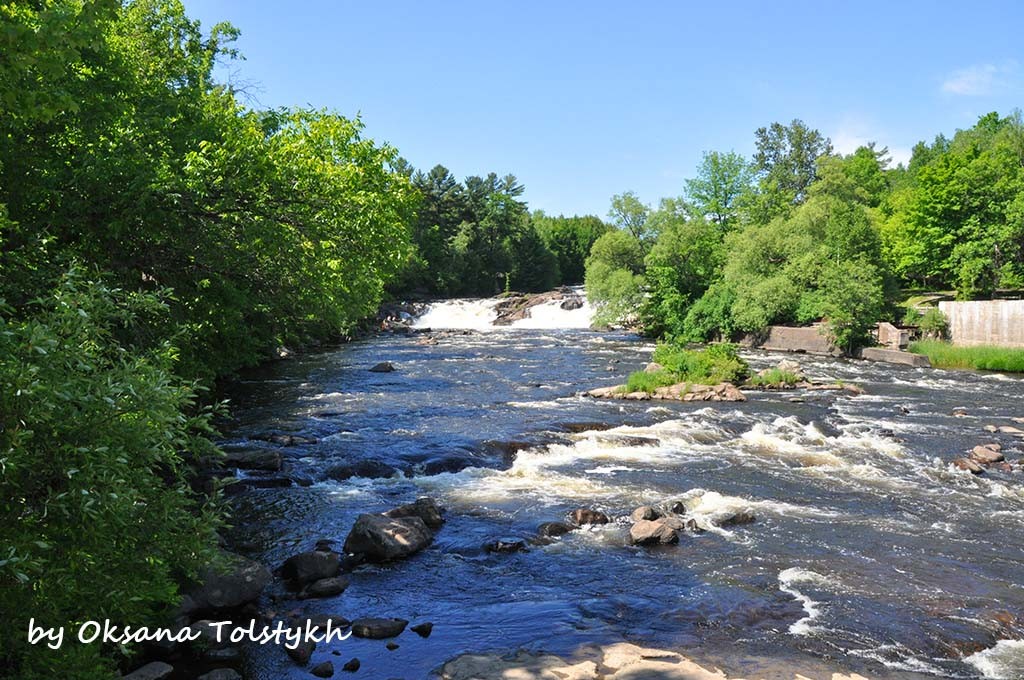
(1004, 661)
(787, 580)
(460, 314)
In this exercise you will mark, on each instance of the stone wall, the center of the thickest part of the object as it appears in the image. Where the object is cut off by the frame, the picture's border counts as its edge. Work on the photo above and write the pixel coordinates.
(810, 339)
(986, 322)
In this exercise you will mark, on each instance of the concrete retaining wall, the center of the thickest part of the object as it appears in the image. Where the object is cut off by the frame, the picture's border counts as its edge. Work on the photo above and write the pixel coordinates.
(810, 339)
(894, 356)
(986, 322)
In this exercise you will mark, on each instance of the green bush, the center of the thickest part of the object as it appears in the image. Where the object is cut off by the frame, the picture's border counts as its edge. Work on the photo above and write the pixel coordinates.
(96, 518)
(715, 364)
(985, 358)
(933, 324)
(911, 317)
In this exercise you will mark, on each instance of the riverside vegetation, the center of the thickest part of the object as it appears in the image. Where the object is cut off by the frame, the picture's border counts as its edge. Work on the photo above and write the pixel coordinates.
(157, 234)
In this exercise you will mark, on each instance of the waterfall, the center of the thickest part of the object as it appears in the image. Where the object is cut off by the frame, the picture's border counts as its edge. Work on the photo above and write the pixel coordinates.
(480, 314)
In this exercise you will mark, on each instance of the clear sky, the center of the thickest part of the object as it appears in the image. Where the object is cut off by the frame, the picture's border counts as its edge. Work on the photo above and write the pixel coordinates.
(582, 100)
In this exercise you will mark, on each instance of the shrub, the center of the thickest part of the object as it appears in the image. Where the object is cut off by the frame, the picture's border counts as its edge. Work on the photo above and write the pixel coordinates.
(642, 381)
(911, 317)
(716, 363)
(96, 518)
(933, 324)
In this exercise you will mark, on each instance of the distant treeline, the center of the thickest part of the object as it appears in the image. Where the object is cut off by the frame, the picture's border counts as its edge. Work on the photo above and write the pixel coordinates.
(799, 233)
(478, 238)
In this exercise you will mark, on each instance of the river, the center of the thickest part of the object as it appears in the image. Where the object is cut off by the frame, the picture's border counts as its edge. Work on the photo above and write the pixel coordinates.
(869, 553)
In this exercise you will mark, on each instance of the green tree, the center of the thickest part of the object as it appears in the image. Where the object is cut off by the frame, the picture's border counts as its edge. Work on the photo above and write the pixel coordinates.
(715, 193)
(630, 214)
(570, 239)
(614, 279)
(785, 165)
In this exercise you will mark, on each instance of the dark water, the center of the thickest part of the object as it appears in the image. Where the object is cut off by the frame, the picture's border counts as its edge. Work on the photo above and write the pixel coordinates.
(869, 552)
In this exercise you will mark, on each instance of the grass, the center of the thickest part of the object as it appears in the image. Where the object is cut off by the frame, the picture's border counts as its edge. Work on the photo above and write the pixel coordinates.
(774, 378)
(641, 381)
(981, 357)
(715, 364)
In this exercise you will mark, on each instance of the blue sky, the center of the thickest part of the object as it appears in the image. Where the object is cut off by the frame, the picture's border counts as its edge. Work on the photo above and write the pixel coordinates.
(583, 100)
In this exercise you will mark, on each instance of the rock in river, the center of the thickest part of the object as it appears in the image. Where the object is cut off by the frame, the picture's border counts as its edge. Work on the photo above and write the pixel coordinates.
(323, 670)
(380, 539)
(367, 469)
(325, 587)
(986, 455)
(553, 529)
(383, 367)
(504, 546)
(378, 629)
(253, 459)
(311, 566)
(969, 465)
(426, 509)
(240, 584)
(582, 516)
(664, 531)
(645, 512)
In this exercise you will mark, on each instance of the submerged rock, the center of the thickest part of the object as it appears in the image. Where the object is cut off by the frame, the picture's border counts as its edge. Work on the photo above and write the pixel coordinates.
(366, 469)
(554, 529)
(351, 666)
(383, 367)
(969, 465)
(583, 516)
(505, 546)
(377, 538)
(285, 439)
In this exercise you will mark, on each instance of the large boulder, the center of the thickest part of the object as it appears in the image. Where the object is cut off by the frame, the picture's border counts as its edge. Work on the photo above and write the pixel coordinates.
(240, 584)
(378, 538)
(986, 455)
(663, 531)
(426, 509)
(311, 566)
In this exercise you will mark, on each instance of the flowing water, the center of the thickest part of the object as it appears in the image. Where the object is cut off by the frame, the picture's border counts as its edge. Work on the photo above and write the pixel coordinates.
(869, 551)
